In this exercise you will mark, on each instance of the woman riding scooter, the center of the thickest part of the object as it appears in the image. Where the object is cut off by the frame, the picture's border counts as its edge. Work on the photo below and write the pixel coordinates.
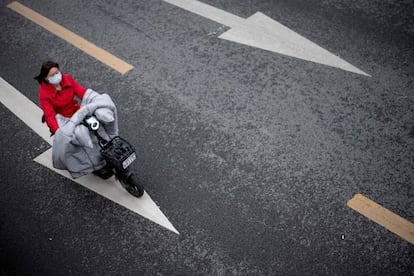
(74, 148)
(57, 94)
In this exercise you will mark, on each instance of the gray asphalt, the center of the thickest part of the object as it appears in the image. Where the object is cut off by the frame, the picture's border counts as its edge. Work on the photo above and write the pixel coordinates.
(251, 155)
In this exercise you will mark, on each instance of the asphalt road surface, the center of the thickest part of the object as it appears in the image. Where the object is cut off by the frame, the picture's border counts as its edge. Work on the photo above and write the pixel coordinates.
(252, 155)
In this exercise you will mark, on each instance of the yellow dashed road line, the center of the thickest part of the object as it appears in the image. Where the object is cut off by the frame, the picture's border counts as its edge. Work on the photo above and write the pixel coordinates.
(383, 217)
(74, 39)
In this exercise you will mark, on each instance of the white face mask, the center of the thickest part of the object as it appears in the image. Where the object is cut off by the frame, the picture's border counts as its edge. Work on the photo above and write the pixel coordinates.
(56, 78)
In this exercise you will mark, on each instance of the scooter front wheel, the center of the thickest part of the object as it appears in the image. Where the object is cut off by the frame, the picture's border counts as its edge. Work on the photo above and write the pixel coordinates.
(132, 185)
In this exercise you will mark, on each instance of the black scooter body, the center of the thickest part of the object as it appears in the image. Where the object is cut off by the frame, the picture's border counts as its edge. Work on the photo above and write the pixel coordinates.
(119, 154)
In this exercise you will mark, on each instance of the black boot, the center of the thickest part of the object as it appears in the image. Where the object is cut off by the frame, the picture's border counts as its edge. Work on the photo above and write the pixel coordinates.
(104, 173)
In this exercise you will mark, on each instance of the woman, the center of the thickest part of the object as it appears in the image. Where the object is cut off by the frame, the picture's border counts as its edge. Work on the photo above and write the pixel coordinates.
(57, 94)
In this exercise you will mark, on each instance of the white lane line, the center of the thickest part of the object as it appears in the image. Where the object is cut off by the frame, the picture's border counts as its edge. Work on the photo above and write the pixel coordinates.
(31, 114)
(263, 32)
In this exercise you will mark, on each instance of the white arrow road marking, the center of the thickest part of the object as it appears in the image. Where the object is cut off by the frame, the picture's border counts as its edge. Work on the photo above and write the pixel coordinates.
(30, 114)
(24, 109)
(263, 32)
(112, 190)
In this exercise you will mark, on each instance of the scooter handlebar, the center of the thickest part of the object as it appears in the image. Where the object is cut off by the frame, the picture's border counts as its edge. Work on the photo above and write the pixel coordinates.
(92, 122)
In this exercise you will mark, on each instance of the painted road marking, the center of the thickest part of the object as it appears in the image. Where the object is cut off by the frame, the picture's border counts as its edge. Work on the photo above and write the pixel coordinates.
(31, 114)
(263, 32)
(113, 190)
(74, 39)
(383, 217)
(24, 109)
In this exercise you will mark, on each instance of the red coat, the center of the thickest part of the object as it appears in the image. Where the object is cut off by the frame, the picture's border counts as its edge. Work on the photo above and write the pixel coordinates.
(61, 102)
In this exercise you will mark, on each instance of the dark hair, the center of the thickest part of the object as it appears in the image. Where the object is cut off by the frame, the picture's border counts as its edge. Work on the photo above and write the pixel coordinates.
(44, 70)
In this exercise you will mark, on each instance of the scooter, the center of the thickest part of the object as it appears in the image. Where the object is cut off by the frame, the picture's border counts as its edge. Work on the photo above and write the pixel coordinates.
(119, 154)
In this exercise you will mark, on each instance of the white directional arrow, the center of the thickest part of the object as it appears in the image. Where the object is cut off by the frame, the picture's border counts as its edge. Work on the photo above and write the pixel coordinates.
(30, 114)
(263, 32)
